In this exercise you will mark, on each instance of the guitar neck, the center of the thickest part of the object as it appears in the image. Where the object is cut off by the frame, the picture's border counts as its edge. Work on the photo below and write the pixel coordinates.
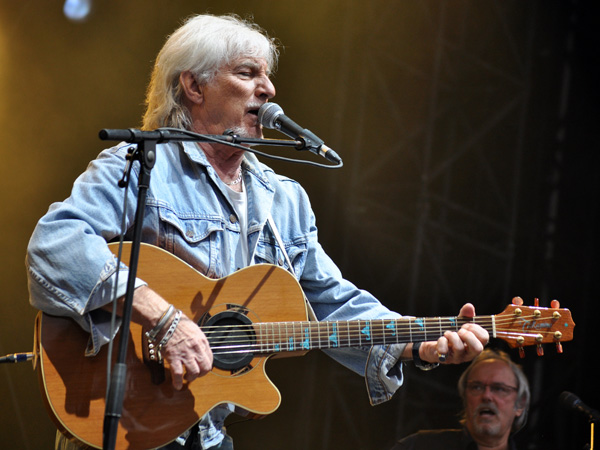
(275, 337)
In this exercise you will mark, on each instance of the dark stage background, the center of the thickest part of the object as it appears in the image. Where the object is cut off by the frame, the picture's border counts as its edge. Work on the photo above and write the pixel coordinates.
(469, 135)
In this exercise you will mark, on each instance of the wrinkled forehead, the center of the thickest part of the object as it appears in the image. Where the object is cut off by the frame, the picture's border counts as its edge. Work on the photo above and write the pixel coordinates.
(257, 64)
(493, 371)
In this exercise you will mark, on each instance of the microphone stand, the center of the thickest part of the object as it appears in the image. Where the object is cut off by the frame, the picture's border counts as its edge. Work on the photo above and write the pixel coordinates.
(145, 153)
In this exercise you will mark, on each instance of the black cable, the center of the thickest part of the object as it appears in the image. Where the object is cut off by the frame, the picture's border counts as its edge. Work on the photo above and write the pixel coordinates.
(248, 149)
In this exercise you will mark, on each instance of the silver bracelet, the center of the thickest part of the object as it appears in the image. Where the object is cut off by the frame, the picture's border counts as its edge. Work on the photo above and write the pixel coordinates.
(418, 361)
(151, 335)
(169, 333)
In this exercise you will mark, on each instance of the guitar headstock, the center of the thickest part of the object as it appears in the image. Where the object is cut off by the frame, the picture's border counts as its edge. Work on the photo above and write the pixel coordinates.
(521, 326)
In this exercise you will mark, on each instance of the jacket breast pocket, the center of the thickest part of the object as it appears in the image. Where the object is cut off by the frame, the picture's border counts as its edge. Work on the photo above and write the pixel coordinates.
(197, 239)
(269, 252)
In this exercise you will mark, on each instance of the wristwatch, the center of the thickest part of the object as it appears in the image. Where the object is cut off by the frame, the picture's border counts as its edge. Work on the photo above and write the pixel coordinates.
(418, 361)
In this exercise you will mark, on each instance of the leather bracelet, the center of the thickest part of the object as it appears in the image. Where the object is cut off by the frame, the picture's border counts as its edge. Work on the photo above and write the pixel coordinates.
(151, 335)
(418, 361)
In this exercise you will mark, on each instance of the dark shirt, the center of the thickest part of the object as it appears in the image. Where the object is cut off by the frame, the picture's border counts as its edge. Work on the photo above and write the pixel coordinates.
(442, 440)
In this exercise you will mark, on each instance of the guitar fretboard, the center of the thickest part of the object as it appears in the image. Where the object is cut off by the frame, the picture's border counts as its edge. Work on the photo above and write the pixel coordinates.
(276, 337)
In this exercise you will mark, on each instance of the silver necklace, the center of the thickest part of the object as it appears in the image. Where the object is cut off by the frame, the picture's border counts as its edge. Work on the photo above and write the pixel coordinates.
(237, 180)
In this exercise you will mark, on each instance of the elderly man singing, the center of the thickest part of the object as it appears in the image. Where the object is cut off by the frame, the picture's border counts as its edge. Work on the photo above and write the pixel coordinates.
(215, 207)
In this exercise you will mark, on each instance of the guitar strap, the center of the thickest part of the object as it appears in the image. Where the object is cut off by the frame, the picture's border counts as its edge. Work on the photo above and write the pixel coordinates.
(271, 222)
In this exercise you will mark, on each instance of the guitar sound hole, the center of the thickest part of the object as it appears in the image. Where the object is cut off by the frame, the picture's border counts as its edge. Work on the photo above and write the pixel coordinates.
(231, 338)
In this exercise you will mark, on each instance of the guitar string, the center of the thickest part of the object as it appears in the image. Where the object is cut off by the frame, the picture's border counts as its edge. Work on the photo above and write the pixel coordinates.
(274, 340)
(433, 323)
(267, 333)
(270, 348)
(375, 324)
(273, 347)
(276, 327)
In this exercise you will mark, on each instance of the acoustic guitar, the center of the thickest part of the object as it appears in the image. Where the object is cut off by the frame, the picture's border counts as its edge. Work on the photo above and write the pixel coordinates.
(248, 317)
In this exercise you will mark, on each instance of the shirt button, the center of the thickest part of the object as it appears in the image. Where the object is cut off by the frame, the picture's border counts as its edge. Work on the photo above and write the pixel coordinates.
(233, 218)
(189, 233)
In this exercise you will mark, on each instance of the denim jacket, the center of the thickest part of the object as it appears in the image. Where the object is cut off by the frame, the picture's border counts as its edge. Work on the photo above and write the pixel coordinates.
(72, 273)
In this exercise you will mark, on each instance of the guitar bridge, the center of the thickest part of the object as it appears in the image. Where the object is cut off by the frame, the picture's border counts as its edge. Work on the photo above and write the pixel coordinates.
(156, 368)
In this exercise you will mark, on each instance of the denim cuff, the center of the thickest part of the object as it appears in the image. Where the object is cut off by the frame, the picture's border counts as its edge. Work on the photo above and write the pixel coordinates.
(383, 375)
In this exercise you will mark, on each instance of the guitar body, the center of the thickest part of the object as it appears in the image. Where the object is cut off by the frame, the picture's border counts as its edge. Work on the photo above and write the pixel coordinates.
(155, 414)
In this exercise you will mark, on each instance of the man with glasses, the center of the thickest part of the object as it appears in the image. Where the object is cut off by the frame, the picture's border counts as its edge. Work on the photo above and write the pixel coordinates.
(495, 395)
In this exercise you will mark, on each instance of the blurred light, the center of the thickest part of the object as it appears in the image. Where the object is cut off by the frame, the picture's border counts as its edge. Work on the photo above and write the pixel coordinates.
(77, 10)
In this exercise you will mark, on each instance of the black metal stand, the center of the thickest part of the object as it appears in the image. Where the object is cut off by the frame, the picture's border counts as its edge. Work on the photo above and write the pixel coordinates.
(146, 155)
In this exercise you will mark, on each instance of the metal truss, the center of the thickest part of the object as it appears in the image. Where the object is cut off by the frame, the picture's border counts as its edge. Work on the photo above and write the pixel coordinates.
(441, 95)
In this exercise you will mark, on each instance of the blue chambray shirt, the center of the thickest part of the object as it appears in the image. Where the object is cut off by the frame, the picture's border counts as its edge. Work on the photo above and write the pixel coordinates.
(72, 273)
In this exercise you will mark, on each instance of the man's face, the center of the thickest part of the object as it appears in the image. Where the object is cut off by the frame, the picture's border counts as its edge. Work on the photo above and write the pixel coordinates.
(231, 100)
(491, 396)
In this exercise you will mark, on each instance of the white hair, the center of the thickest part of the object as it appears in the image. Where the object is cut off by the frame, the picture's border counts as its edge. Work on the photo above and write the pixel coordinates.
(202, 45)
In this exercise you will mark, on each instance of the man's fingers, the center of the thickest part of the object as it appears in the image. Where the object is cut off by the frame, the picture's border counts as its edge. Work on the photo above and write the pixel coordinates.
(456, 346)
(474, 337)
(177, 375)
(468, 310)
(188, 353)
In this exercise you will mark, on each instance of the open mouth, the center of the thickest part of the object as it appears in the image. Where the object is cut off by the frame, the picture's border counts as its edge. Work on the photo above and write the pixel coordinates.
(486, 412)
(253, 110)
(252, 117)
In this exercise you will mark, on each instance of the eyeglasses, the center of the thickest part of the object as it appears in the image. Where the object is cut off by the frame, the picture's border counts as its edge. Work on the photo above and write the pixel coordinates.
(499, 389)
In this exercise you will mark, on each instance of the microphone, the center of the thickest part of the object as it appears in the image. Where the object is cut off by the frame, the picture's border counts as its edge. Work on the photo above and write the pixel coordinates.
(16, 358)
(270, 115)
(573, 402)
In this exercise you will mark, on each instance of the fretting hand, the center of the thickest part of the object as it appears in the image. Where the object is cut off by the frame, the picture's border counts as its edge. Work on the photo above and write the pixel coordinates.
(457, 347)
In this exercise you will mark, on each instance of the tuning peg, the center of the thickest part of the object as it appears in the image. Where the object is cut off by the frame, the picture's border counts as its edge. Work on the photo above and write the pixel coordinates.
(554, 304)
(520, 341)
(540, 350)
(558, 347)
(536, 302)
(518, 301)
(557, 337)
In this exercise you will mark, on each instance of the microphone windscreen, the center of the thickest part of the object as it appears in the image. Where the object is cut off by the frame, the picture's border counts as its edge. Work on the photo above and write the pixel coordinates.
(569, 399)
(268, 113)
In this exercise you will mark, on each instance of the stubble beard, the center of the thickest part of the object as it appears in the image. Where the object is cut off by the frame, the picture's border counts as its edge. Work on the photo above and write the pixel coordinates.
(491, 429)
